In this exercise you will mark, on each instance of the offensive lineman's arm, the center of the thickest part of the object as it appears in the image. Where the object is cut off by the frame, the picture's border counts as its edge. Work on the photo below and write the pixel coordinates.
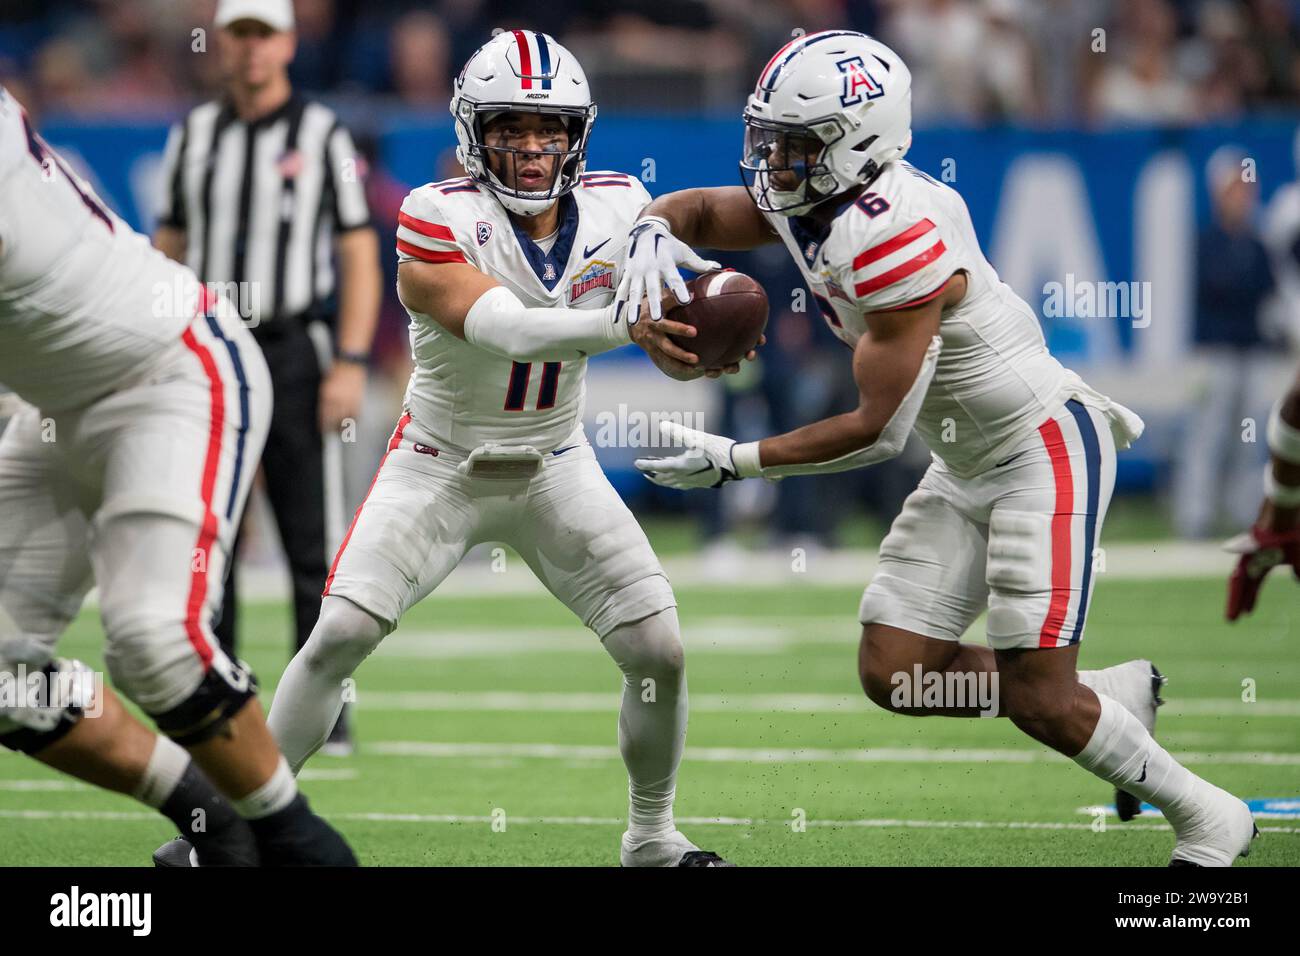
(475, 307)
(892, 365)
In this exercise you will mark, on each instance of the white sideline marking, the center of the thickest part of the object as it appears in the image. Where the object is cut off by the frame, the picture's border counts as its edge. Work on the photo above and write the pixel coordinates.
(327, 773)
(738, 703)
(618, 821)
(760, 570)
(29, 786)
(417, 748)
(734, 635)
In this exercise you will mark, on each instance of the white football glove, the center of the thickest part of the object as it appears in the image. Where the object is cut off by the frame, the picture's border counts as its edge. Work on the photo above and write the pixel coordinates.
(653, 255)
(706, 463)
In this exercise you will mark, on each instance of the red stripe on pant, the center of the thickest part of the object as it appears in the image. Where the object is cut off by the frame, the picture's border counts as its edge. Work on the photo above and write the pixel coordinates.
(194, 607)
(392, 445)
(1062, 520)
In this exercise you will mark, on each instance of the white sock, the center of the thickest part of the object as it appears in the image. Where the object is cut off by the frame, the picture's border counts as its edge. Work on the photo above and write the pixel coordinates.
(1122, 753)
(310, 693)
(652, 719)
(166, 766)
(271, 797)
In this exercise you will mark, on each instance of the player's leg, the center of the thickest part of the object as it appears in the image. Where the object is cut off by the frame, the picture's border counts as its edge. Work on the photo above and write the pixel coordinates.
(1043, 535)
(928, 589)
(583, 543)
(410, 532)
(930, 586)
(178, 459)
(44, 575)
(294, 466)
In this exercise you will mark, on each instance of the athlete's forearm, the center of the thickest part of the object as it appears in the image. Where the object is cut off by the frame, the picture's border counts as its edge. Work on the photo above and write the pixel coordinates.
(818, 443)
(723, 217)
(877, 430)
(500, 323)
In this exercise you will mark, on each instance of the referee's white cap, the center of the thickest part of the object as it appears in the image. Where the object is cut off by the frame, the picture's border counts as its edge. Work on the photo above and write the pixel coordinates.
(277, 14)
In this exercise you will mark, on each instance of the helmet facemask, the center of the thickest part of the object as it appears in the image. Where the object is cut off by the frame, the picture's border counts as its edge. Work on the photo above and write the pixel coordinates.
(482, 161)
(786, 166)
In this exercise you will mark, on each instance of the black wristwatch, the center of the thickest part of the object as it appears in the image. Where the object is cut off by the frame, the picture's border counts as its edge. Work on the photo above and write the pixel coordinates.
(353, 358)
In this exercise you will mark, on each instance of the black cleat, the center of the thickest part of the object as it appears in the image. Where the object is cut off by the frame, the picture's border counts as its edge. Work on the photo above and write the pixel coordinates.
(295, 836)
(1128, 806)
(703, 858)
(176, 852)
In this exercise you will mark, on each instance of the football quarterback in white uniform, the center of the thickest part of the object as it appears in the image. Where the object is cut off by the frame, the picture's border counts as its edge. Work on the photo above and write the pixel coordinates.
(128, 466)
(509, 276)
(1008, 515)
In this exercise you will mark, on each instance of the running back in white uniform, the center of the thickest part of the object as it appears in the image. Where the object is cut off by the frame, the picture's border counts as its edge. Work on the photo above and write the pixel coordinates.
(148, 407)
(1008, 517)
(463, 396)
(894, 248)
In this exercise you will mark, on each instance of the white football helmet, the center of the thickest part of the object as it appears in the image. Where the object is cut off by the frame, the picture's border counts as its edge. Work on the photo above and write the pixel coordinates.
(830, 109)
(522, 71)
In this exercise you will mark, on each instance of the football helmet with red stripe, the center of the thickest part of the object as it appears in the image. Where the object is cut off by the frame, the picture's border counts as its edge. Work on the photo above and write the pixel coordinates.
(829, 110)
(521, 71)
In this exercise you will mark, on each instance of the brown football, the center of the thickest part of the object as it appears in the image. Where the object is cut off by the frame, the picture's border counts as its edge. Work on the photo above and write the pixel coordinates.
(729, 312)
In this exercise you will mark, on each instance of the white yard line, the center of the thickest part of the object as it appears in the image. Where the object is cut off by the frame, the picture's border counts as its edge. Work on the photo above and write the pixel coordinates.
(762, 755)
(455, 818)
(476, 701)
(1150, 560)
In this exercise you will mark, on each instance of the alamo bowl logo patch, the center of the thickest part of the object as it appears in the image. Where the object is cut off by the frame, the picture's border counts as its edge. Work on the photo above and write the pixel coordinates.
(483, 231)
(595, 275)
(859, 85)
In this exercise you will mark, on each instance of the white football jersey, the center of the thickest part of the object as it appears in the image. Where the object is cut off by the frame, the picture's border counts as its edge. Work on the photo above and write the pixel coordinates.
(464, 396)
(86, 303)
(894, 247)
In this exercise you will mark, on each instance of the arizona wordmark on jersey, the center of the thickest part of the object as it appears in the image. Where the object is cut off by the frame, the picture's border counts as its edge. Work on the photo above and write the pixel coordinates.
(85, 302)
(894, 247)
(463, 396)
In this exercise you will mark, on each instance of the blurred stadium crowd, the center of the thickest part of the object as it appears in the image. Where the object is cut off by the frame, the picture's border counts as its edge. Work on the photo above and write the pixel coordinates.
(1020, 63)
(975, 61)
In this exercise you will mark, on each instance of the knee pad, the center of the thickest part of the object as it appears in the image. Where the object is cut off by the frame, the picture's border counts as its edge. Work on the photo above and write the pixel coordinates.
(225, 688)
(45, 703)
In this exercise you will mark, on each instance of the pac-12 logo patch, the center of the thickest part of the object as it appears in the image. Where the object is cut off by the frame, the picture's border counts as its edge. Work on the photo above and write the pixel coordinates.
(859, 85)
(595, 275)
(484, 231)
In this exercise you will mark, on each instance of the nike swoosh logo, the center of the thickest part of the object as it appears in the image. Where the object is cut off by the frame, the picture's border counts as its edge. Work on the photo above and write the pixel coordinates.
(561, 451)
(588, 253)
(1144, 772)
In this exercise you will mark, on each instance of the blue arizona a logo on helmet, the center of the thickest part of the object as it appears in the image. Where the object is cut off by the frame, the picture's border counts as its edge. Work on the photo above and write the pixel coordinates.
(859, 85)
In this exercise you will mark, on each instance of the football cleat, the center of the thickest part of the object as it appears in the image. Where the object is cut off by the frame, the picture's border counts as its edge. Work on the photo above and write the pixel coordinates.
(1136, 686)
(176, 852)
(670, 850)
(1220, 831)
(1128, 806)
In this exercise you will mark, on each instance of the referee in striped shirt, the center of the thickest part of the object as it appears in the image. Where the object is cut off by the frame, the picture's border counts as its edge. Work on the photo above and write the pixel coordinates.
(263, 195)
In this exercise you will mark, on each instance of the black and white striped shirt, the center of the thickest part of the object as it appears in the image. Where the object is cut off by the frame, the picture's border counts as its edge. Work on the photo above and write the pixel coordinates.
(260, 203)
